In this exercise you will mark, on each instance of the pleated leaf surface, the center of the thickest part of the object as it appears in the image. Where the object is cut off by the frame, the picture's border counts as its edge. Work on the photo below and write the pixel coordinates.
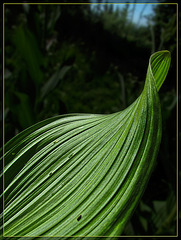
(84, 174)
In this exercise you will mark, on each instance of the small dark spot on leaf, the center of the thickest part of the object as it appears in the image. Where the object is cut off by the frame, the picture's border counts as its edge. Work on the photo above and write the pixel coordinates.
(50, 173)
(78, 219)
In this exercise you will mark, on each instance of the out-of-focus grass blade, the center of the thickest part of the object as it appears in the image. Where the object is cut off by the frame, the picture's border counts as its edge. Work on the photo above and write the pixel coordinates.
(54, 80)
(84, 174)
(26, 46)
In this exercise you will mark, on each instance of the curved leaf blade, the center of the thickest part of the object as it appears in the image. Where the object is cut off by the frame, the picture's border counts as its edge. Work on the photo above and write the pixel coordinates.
(83, 174)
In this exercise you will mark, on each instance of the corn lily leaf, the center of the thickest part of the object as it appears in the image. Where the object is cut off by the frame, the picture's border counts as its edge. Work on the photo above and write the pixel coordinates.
(84, 174)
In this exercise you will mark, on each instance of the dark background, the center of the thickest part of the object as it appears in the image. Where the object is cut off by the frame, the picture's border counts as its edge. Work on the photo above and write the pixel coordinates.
(70, 58)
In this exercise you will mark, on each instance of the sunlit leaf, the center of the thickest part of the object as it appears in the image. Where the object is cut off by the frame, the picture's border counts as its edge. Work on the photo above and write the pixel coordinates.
(84, 174)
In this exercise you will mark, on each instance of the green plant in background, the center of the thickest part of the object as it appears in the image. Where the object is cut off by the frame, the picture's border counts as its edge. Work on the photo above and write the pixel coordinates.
(84, 174)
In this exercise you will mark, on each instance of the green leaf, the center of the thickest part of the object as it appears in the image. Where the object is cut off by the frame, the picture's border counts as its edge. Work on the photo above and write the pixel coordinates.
(27, 47)
(54, 80)
(84, 174)
(20, 105)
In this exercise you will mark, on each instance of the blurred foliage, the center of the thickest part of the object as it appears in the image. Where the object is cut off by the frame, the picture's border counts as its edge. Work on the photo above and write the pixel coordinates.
(76, 58)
